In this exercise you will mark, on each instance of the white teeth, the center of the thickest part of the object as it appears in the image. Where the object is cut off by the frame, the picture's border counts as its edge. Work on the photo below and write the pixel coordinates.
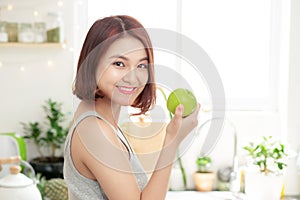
(126, 89)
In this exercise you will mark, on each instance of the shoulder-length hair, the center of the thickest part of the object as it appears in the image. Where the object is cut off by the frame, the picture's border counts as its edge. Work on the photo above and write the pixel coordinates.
(100, 36)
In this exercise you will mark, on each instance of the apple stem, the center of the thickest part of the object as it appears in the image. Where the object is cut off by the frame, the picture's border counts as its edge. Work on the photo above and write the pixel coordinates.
(165, 97)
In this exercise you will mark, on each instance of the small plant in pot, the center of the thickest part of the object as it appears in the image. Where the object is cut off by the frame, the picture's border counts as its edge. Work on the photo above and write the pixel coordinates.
(52, 137)
(266, 170)
(204, 178)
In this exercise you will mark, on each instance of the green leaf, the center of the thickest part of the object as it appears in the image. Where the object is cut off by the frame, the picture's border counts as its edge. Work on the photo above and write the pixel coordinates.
(55, 134)
(267, 149)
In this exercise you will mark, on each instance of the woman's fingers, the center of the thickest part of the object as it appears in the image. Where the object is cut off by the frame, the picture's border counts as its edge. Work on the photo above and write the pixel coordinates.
(179, 111)
(180, 127)
(177, 118)
(189, 122)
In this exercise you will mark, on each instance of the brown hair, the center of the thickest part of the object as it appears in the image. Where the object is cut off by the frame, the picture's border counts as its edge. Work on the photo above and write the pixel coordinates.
(103, 33)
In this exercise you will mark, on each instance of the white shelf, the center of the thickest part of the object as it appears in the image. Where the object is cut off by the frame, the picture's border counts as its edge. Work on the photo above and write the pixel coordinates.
(30, 45)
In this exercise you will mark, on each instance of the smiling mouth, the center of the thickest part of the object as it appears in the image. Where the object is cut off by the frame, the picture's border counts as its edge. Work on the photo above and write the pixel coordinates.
(126, 90)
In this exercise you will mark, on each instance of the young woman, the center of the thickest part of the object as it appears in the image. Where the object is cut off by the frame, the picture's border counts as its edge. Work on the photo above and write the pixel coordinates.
(115, 69)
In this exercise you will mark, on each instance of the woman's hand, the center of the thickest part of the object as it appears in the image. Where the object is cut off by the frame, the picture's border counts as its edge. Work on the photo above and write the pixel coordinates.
(179, 127)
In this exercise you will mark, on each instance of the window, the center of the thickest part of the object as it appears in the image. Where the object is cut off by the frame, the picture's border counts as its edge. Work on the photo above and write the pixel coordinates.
(241, 37)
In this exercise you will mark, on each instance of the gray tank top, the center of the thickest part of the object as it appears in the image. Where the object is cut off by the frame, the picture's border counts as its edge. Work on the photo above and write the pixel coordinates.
(82, 188)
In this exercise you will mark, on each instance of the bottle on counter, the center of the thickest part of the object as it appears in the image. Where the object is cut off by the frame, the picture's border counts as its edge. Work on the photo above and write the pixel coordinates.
(39, 32)
(55, 27)
(12, 31)
(26, 34)
(3, 33)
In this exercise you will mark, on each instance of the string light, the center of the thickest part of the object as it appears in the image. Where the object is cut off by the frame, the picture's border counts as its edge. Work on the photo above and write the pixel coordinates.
(50, 63)
(80, 2)
(60, 3)
(1, 64)
(22, 68)
(10, 7)
(35, 13)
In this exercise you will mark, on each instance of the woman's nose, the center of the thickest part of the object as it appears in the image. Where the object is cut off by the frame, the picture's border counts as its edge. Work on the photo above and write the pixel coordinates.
(131, 77)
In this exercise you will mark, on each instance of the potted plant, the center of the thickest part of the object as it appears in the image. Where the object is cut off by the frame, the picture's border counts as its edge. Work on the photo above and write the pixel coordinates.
(264, 178)
(51, 137)
(204, 178)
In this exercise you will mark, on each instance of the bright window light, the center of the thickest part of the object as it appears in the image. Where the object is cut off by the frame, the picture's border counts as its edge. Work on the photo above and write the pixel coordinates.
(241, 37)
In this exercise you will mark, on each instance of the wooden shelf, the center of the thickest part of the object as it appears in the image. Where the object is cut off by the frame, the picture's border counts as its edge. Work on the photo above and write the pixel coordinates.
(31, 45)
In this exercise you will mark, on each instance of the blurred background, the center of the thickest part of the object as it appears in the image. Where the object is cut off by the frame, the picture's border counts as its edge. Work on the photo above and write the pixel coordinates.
(254, 46)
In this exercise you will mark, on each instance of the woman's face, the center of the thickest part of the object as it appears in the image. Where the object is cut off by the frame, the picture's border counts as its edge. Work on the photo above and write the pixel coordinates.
(123, 71)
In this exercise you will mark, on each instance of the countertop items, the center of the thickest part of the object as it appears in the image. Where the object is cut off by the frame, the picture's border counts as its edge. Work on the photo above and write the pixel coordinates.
(213, 195)
(297, 197)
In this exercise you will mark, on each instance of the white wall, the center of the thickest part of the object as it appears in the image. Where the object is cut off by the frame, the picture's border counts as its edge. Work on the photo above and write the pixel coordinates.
(30, 75)
(293, 108)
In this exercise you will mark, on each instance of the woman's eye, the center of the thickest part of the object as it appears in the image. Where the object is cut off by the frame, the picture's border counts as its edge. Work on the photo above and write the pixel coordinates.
(145, 66)
(119, 64)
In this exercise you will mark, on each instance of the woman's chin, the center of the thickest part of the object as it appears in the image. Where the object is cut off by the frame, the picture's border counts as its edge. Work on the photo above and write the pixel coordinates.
(124, 102)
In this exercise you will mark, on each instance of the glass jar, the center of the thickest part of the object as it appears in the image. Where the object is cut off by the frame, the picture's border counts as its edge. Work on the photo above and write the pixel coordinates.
(26, 33)
(12, 31)
(3, 33)
(54, 27)
(39, 32)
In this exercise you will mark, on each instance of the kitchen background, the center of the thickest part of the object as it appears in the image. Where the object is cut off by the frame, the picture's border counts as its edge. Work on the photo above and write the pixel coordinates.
(32, 73)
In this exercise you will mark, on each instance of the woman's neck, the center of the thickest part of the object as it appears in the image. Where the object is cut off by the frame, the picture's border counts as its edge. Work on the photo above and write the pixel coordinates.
(107, 109)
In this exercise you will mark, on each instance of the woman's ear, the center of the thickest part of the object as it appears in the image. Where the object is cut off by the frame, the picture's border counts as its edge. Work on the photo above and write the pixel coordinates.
(98, 93)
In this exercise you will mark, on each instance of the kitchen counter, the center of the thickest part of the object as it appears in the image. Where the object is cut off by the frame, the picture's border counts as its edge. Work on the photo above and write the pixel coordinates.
(292, 197)
(195, 195)
(213, 195)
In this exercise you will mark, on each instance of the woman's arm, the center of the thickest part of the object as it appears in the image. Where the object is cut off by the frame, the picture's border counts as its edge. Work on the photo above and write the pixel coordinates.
(176, 131)
(104, 156)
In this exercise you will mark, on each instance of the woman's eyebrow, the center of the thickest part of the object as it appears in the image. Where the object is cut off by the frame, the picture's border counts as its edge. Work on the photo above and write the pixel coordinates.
(145, 58)
(119, 56)
(125, 58)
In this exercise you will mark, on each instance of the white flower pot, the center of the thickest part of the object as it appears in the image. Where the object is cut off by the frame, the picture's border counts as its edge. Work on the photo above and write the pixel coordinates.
(263, 187)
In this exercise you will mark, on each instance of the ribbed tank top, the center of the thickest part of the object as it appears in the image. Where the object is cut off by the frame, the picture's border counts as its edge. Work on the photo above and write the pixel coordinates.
(83, 188)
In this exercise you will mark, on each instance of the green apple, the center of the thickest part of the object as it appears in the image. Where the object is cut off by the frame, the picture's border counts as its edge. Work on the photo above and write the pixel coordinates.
(183, 97)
